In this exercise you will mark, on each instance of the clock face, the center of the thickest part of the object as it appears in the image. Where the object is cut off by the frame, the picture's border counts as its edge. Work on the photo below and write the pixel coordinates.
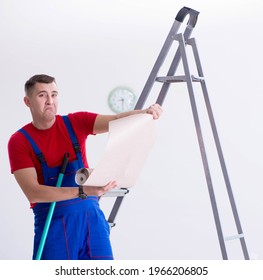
(121, 99)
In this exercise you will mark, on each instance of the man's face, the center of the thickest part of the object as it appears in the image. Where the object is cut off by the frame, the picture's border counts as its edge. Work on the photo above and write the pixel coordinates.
(43, 102)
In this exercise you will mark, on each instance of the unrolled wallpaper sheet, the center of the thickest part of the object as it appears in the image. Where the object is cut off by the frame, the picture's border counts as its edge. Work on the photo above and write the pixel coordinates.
(130, 141)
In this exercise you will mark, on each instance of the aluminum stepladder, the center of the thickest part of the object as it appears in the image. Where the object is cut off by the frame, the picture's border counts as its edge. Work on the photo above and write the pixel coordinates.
(183, 39)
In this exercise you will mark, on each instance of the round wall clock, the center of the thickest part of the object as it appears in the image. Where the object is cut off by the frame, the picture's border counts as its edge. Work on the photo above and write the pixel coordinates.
(121, 99)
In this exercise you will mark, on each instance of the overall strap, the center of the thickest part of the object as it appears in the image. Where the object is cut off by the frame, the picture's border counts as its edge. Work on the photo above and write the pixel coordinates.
(73, 138)
(38, 153)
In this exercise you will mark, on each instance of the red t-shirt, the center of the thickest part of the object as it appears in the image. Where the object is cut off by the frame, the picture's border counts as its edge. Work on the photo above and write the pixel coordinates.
(52, 142)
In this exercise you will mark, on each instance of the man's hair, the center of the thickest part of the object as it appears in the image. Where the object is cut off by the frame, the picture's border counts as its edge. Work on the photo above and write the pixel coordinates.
(40, 78)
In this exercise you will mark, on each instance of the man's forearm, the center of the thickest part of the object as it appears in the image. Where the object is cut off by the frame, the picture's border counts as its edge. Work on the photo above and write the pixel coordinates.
(129, 113)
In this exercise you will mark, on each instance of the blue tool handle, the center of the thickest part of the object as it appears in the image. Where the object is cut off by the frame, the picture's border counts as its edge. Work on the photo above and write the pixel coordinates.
(51, 209)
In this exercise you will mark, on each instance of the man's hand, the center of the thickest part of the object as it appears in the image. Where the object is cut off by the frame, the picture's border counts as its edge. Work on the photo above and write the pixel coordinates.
(155, 110)
(99, 191)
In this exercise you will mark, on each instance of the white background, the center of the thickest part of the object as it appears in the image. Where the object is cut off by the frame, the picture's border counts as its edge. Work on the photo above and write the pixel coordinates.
(92, 47)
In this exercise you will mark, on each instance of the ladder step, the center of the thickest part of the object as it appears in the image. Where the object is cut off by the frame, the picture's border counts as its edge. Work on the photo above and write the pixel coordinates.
(232, 237)
(178, 79)
(116, 193)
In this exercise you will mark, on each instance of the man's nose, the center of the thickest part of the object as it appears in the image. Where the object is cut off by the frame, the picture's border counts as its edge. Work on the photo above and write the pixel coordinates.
(49, 99)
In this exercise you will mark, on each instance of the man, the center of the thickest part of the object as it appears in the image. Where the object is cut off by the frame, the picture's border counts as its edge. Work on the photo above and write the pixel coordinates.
(78, 228)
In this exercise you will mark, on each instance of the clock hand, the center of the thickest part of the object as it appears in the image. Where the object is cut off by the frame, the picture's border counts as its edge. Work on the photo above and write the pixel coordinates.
(122, 103)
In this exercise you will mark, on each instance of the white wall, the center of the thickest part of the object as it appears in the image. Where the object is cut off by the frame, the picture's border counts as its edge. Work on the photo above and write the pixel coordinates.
(93, 46)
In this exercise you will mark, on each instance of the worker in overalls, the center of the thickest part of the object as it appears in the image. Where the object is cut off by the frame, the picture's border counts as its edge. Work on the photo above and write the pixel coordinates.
(78, 228)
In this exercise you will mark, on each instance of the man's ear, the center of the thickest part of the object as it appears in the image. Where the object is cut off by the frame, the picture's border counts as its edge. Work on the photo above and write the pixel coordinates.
(27, 101)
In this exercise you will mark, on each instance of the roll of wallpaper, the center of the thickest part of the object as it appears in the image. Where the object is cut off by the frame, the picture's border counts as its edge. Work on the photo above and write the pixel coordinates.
(130, 141)
(82, 175)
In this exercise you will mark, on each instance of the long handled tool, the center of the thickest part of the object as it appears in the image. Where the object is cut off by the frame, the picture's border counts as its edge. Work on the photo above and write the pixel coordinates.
(51, 209)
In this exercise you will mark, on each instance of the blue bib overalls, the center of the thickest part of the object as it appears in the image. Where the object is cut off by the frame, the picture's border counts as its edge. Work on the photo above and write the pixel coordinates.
(78, 229)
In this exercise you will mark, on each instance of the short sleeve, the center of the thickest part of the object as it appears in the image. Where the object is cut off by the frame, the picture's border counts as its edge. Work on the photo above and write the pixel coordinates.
(83, 122)
(19, 152)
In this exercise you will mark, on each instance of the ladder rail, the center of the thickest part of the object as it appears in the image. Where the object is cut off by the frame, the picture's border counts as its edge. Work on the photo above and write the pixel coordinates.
(202, 146)
(115, 210)
(174, 65)
(117, 204)
(161, 58)
(193, 15)
(192, 42)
